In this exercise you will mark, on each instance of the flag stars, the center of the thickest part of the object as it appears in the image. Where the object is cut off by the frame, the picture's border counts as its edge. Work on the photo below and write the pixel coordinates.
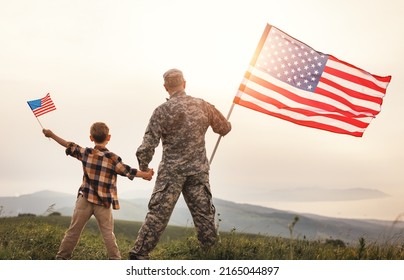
(291, 61)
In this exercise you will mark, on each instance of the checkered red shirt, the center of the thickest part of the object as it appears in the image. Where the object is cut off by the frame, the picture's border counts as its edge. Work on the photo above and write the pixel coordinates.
(101, 168)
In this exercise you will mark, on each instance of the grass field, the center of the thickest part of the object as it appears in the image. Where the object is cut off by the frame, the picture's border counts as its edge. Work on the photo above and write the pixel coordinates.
(38, 238)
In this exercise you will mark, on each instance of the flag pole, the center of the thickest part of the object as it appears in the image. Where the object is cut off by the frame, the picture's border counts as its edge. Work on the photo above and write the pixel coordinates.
(41, 125)
(220, 137)
(39, 121)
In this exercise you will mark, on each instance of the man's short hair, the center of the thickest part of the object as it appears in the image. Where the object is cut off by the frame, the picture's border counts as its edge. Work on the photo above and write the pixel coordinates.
(173, 78)
(99, 131)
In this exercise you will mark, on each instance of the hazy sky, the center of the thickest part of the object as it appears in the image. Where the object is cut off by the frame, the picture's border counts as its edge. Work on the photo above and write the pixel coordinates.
(104, 60)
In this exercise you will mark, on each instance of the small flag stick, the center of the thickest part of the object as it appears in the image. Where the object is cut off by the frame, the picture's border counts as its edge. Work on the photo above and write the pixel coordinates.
(220, 137)
(41, 125)
(39, 122)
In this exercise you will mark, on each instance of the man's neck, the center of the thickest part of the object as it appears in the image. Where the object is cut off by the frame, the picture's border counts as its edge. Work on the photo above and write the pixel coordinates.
(176, 92)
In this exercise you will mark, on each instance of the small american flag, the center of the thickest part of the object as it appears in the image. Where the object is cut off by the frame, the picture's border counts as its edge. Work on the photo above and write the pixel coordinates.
(42, 106)
(290, 80)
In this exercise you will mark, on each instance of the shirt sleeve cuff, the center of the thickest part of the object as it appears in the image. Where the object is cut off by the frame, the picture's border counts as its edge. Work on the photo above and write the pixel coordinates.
(143, 167)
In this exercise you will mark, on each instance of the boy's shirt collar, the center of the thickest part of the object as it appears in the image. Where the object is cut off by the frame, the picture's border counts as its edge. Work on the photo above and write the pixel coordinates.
(100, 148)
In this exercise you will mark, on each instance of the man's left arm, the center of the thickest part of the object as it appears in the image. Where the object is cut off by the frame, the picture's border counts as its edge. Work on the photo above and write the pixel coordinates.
(151, 140)
(218, 122)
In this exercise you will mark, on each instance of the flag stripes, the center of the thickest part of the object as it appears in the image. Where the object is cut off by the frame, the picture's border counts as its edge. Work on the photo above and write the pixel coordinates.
(289, 80)
(42, 106)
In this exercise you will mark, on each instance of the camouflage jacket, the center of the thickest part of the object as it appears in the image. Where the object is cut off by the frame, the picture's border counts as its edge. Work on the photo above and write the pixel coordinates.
(181, 124)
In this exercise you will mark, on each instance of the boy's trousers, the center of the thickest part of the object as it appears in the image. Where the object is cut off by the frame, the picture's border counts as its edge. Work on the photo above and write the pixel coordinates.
(82, 213)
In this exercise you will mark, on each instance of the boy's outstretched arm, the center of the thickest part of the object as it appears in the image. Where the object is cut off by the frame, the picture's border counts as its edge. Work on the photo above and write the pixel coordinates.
(48, 133)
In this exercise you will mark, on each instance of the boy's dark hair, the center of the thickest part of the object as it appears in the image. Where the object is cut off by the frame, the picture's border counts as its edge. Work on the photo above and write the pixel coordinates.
(99, 131)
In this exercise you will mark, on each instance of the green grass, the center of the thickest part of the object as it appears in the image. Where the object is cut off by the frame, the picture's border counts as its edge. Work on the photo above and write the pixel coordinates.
(38, 238)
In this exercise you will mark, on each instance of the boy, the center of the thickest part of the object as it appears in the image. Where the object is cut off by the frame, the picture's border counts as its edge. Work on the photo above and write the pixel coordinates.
(98, 190)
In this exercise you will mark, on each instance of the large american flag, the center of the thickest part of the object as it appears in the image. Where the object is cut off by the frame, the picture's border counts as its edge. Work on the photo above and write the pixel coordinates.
(290, 80)
(42, 106)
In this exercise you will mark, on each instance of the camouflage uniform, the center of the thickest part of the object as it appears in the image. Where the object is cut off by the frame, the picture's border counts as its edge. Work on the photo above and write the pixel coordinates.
(181, 124)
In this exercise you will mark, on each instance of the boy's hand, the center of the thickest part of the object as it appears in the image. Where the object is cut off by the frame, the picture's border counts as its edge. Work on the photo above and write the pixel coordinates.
(47, 132)
(148, 175)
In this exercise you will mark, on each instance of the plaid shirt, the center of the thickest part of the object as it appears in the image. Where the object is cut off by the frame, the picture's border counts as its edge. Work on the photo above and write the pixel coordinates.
(101, 168)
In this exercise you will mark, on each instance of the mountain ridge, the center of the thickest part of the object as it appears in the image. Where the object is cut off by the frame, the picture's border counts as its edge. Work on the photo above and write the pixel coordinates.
(241, 217)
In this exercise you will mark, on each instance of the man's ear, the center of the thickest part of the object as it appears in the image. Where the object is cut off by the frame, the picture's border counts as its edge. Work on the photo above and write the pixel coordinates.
(109, 137)
(91, 138)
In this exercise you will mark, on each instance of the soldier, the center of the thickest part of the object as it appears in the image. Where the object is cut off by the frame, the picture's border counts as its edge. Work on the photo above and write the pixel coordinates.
(181, 124)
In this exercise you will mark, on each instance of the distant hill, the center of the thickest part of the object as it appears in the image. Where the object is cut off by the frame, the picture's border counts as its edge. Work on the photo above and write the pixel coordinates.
(243, 218)
(322, 194)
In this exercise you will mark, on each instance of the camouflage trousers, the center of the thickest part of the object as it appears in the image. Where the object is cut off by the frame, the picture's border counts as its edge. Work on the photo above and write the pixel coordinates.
(196, 192)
